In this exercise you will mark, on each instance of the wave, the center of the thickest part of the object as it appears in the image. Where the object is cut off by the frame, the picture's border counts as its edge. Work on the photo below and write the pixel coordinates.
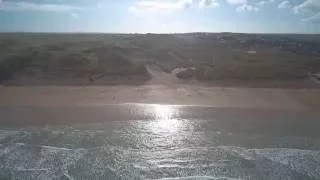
(199, 178)
(301, 161)
(6, 133)
(68, 153)
(26, 161)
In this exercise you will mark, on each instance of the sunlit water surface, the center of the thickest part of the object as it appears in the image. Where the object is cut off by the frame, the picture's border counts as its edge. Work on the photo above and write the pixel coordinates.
(162, 147)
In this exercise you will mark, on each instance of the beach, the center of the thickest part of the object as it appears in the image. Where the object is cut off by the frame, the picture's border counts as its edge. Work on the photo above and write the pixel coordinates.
(104, 106)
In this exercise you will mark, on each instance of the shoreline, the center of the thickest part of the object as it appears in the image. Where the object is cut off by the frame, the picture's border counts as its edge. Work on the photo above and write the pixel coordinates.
(170, 80)
(176, 94)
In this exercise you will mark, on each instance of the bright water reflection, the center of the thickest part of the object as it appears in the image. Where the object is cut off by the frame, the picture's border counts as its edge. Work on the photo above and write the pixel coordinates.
(164, 128)
(163, 111)
(157, 142)
(164, 121)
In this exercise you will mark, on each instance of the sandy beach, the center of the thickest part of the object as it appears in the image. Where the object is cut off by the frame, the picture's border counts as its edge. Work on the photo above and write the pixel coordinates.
(298, 99)
(81, 104)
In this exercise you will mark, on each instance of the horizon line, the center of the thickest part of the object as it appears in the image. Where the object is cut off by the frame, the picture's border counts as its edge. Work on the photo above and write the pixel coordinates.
(138, 33)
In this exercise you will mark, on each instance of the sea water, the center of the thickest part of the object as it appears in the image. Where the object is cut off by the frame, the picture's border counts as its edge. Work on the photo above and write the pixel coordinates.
(165, 145)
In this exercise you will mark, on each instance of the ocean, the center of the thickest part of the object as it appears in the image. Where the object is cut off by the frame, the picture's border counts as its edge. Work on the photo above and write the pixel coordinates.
(152, 141)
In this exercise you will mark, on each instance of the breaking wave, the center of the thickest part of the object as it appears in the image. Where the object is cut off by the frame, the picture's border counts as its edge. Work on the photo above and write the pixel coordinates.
(23, 161)
(142, 152)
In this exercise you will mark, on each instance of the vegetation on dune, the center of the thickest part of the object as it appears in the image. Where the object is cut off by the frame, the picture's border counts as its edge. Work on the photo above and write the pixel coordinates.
(13, 64)
(186, 74)
(39, 62)
(211, 56)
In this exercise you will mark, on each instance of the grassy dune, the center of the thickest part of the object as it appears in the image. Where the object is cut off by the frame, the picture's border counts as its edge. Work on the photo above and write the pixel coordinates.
(89, 58)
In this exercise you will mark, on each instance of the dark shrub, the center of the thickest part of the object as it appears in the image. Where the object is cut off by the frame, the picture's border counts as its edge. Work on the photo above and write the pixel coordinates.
(186, 74)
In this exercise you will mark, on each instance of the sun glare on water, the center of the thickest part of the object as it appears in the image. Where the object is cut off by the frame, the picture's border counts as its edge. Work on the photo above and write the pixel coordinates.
(165, 120)
(163, 111)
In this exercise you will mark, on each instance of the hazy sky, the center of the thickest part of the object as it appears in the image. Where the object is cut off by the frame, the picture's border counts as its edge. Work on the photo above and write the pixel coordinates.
(161, 16)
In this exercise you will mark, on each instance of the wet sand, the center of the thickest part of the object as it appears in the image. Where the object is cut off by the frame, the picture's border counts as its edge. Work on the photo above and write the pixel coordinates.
(267, 98)
(241, 120)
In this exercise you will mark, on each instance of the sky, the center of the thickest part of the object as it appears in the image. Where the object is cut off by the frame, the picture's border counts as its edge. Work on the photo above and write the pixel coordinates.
(160, 16)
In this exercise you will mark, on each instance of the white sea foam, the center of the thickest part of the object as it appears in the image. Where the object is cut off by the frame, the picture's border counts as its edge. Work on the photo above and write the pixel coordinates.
(55, 161)
(52, 162)
(301, 161)
(199, 178)
(6, 133)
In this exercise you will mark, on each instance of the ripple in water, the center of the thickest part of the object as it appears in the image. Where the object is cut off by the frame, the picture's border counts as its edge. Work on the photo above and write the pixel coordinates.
(163, 147)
